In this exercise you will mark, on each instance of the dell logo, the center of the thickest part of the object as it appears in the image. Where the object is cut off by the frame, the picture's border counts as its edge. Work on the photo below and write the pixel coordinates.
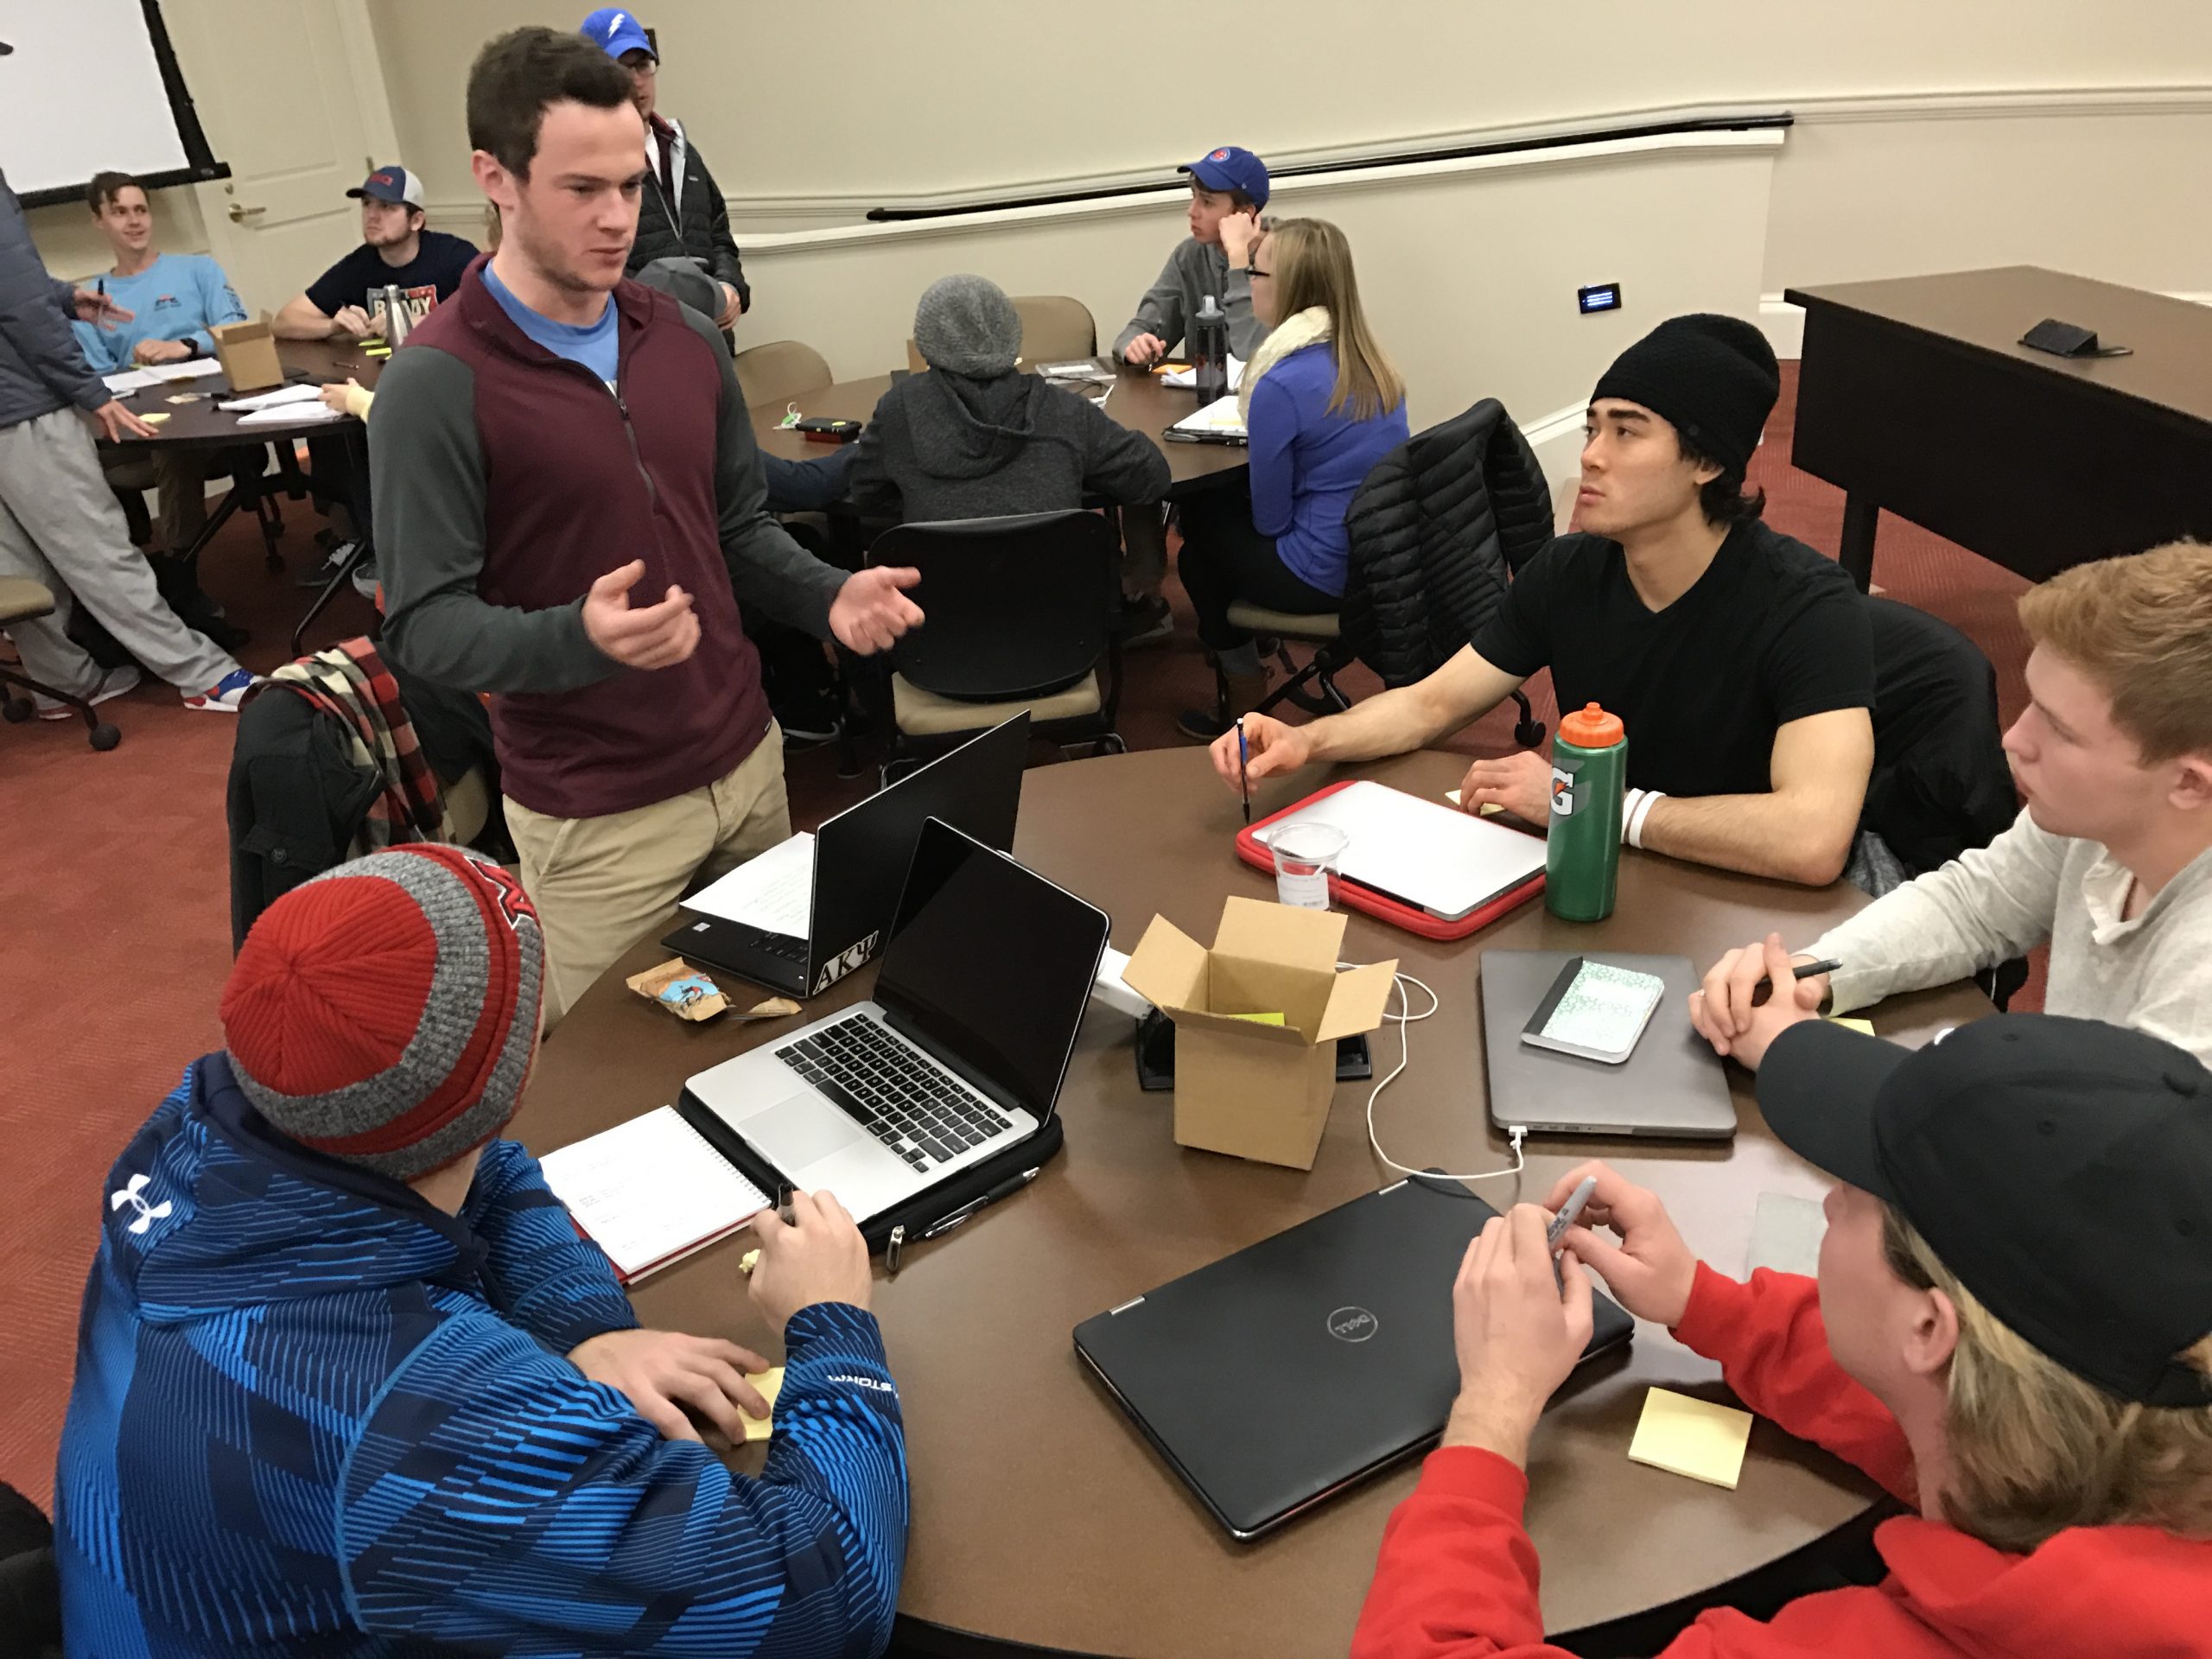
(1353, 1325)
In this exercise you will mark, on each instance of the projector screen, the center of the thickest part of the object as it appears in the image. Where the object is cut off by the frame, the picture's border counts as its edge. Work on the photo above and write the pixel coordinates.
(93, 68)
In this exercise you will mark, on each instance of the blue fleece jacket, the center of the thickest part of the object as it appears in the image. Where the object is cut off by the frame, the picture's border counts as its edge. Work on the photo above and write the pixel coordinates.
(179, 296)
(315, 1415)
(1307, 463)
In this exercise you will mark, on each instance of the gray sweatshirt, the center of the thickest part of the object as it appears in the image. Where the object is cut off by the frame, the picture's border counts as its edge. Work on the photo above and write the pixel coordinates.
(40, 368)
(1193, 270)
(944, 446)
(2153, 974)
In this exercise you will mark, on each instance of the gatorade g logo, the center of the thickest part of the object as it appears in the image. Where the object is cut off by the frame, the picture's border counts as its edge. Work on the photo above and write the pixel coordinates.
(1562, 793)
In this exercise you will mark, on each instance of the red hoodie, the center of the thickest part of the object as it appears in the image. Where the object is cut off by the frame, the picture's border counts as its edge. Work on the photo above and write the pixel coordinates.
(1457, 1573)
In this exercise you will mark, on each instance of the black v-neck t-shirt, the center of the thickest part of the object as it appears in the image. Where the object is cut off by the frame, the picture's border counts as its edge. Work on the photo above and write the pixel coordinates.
(1772, 631)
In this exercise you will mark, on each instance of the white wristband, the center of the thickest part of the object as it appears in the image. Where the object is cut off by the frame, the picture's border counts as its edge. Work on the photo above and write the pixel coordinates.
(1634, 823)
(1630, 801)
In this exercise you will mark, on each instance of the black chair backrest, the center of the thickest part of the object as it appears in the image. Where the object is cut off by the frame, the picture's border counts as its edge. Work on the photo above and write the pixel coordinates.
(1435, 530)
(30, 1596)
(1940, 784)
(1018, 606)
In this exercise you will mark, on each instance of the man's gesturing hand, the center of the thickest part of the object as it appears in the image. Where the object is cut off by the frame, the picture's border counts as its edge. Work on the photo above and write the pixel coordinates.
(118, 423)
(870, 612)
(648, 636)
(94, 307)
(660, 1372)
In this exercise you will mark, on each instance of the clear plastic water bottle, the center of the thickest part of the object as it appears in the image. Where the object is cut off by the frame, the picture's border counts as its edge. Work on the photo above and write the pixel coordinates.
(1209, 337)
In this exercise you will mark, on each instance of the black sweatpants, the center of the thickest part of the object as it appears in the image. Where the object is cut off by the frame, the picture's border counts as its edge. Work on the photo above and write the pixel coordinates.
(1225, 558)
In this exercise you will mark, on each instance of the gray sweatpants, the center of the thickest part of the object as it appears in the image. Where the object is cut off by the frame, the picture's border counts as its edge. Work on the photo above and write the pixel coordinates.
(60, 525)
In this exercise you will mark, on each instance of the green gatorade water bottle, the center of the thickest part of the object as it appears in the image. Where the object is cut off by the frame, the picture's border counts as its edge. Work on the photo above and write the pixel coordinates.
(1582, 854)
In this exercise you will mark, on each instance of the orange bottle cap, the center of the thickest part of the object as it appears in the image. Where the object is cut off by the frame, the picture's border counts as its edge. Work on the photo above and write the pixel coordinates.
(1592, 727)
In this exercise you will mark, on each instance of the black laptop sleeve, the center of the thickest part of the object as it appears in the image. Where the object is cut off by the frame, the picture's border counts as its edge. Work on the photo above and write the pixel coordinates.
(916, 1216)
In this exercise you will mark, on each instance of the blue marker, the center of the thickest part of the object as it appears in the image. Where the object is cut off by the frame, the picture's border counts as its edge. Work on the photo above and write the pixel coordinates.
(1243, 759)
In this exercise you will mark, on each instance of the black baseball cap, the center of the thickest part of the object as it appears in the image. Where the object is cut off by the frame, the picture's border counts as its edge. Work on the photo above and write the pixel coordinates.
(2061, 1169)
(5, 48)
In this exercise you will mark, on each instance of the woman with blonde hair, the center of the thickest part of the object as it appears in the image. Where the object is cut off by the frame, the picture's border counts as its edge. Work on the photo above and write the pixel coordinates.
(1322, 404)
(2011, 1331)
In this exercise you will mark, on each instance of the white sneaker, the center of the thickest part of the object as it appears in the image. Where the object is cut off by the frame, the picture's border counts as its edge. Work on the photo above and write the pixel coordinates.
(228, 695)
(113, 683)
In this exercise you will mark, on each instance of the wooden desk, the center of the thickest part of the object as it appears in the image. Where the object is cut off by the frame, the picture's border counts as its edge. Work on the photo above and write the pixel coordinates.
(1139, 402)
(1041, 1515)
(1915, 395)
(313, 361)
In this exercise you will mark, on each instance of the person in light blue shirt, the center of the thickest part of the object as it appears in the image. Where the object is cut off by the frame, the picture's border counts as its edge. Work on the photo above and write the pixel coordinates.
(174, 299)
(1322, 405)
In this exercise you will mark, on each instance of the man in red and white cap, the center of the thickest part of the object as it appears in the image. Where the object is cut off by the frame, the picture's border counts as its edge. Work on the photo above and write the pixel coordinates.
(396, 251)
(347, 1371)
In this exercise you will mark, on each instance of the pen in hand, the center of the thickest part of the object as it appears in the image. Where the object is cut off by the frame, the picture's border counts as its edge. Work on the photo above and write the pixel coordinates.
(1764, 988)
(1568, 1213)
(1243, 761)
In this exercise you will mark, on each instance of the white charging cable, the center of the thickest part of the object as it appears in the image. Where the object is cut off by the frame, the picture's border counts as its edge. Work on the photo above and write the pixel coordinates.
(1406, 1017)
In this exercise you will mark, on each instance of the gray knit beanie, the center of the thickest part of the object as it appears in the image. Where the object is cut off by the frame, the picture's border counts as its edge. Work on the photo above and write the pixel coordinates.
(966, 325)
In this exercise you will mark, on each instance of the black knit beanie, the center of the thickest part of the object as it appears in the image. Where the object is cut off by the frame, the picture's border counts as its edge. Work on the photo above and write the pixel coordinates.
(1713, 376)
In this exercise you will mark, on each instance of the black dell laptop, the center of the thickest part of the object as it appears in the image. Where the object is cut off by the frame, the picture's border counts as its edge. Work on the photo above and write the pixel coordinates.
(1283, 1374)
(859, 862)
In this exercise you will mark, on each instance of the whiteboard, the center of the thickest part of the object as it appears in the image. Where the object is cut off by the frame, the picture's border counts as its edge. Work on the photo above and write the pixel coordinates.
(81, 93)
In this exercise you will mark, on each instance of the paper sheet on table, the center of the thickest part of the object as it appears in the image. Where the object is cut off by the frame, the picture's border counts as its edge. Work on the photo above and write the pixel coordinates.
(125, 381)
(1187, 379)
(260, 400)
(1488, 809)
(651, 1190)
(191, 369)
(774, 892)
(1786, 1234)
(1220, 415)
(1692, 1437)
(771, 1383)
(290, 414)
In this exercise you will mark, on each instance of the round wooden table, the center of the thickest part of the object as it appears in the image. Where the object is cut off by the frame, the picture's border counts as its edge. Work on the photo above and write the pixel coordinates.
(1138, 401)
(1041, 1515)
(306, 361)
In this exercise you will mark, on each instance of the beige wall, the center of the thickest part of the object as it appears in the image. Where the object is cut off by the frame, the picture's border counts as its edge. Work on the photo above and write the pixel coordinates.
(73, 246)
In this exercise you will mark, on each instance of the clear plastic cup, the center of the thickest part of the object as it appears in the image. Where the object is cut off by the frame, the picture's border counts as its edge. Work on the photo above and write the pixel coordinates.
(1306, 854)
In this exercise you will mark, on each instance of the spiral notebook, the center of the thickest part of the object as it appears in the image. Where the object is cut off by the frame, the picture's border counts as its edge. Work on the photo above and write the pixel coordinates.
(650, 1191)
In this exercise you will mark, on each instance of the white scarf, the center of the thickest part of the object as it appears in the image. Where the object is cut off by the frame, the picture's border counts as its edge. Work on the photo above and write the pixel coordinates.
(1294, 333)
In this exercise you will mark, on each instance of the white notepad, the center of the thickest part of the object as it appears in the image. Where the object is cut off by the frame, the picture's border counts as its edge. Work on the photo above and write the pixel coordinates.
(650, 1191)
(1187, 379)
(1221, 417)
(774, 893)
(1430, 855)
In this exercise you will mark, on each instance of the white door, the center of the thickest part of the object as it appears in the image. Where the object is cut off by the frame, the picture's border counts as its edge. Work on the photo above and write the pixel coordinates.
(292, 96)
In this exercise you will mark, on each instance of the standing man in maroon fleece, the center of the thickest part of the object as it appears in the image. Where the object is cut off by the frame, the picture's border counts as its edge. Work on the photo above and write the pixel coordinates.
(552, 442)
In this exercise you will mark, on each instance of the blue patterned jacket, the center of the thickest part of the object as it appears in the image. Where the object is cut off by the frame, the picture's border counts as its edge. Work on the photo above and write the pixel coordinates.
(315, 1415)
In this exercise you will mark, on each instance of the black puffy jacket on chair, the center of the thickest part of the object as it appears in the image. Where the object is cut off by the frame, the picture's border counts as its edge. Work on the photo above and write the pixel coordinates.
(1435, 531)
(1941, 783)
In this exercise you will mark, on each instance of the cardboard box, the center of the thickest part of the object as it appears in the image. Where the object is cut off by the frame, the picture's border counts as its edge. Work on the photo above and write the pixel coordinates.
(247, 352)
(1252, 1090)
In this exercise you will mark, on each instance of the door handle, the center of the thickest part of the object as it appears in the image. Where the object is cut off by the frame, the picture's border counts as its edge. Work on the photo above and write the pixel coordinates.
(240, 213)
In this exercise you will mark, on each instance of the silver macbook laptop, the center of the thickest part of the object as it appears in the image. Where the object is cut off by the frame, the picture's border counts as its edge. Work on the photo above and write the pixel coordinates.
(960, 1055)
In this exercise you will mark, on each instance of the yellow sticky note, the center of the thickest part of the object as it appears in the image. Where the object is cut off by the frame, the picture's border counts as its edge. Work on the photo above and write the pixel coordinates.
(1484, 811)
(771, 1383)
(1692, 1437)
(1260, 1019)
(1864, 1027)
(153, 420)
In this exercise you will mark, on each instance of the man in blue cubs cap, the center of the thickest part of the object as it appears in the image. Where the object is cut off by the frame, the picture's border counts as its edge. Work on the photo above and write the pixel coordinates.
(681, 213)
(1228, 187)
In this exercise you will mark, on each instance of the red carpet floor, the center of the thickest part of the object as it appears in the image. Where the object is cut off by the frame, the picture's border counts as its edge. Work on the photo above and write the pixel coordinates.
(117, 916)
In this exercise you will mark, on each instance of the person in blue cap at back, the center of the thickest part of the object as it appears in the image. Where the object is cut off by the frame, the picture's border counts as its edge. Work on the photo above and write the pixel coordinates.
(1228, 189)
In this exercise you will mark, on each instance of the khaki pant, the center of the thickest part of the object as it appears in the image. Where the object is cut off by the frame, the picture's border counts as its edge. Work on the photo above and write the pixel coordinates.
(602, 884)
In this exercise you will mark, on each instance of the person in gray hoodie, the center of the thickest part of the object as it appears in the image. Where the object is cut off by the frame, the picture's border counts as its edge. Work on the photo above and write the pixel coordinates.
(974, 439)
(1228, 189)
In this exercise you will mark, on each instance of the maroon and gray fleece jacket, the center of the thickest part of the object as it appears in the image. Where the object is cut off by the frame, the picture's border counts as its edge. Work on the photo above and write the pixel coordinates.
(507, 480)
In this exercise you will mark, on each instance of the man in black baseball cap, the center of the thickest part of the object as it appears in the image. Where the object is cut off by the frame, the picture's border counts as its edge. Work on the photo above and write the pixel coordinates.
(2011, 1331)
(1739, 661)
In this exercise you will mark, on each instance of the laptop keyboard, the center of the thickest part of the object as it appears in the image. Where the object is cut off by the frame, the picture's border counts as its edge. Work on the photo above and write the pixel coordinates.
(782, 946)
(911, 1106)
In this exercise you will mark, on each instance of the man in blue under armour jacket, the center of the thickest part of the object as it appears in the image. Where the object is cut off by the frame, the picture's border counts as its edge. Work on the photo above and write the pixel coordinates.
(349, 1383)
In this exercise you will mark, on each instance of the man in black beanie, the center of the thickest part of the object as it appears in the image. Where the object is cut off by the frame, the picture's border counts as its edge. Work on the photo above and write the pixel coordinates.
(1739, 660)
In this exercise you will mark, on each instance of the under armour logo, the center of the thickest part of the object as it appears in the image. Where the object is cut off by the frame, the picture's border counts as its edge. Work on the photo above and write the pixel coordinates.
(148, 1213)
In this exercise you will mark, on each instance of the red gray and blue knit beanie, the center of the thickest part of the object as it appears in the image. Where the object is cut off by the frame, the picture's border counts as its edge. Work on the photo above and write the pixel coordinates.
(386, 1012)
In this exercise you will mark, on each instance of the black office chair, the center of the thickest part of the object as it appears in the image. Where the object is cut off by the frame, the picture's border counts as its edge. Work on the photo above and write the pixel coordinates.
(1020, 614)
(1438, 529)
(30, 1595)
